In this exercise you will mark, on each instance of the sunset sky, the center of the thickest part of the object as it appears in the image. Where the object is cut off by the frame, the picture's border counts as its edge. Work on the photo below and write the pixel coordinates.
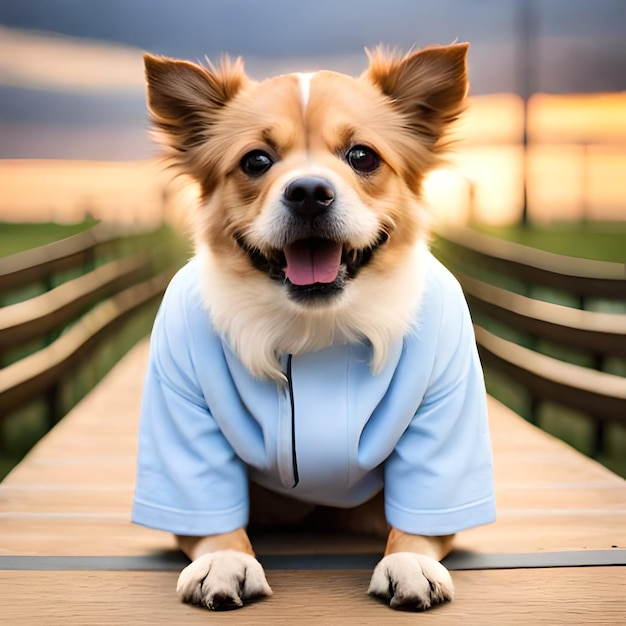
(80, 96)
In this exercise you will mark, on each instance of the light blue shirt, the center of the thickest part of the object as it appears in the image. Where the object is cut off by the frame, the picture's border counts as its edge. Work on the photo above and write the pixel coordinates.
(333, 436)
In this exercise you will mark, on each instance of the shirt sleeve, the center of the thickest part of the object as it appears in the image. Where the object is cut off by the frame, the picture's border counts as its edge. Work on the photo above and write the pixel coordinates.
(439, 478)
(189, 479)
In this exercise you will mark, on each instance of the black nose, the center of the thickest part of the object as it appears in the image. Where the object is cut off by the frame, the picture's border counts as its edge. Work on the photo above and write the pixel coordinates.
(308, 196)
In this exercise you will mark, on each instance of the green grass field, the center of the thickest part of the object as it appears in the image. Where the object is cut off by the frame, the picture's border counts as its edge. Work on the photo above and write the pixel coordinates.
(604, 241)
(18, 237)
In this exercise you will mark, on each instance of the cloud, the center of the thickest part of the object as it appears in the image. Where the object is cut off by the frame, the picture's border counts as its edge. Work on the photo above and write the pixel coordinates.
(31, 59)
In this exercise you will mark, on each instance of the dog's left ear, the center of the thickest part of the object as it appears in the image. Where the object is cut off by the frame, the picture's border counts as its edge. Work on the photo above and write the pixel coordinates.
(428, 86)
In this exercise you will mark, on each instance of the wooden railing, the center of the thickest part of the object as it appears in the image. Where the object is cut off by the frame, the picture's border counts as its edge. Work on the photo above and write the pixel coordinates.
(64, 300)
(519, 335)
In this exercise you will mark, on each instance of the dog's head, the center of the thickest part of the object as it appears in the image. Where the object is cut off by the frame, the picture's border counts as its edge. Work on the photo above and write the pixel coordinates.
(309, 183)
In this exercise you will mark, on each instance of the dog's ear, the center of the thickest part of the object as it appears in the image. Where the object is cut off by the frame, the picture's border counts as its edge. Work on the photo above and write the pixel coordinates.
(427, 86)
(184, 98)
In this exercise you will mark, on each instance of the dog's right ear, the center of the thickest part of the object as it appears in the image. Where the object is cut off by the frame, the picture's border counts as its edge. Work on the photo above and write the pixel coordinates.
(184, 98)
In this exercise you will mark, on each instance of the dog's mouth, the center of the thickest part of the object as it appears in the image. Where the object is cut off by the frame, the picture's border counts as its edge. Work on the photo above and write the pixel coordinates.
(313, 268)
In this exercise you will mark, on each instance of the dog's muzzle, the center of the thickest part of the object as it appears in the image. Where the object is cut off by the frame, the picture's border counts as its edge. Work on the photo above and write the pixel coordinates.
(314, 259)
(315, 265)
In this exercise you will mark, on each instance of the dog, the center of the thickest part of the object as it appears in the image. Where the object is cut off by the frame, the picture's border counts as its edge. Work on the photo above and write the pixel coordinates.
(313, 363)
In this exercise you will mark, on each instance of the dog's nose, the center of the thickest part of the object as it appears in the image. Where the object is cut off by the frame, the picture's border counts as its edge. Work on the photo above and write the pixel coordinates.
(308, 196)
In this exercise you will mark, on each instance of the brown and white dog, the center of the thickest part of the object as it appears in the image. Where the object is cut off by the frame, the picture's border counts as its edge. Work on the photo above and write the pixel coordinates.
(271, 159)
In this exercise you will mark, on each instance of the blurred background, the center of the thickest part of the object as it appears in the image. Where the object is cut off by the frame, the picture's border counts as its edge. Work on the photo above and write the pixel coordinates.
(73, 118)
(540, 160)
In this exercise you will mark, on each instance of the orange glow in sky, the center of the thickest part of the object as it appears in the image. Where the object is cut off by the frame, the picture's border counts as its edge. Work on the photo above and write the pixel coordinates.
(575, 163)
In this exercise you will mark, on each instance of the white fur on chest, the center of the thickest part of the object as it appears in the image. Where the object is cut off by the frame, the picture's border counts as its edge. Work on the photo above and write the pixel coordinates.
(260, 323)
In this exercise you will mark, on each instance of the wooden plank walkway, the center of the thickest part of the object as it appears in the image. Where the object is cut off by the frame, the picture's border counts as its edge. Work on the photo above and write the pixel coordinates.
(69, 554)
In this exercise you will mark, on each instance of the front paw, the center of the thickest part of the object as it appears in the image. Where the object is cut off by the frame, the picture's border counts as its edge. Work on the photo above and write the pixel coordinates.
(411, 581)
(222, 580)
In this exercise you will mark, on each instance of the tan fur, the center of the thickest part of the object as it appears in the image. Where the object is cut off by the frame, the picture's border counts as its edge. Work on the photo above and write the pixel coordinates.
(209, 118)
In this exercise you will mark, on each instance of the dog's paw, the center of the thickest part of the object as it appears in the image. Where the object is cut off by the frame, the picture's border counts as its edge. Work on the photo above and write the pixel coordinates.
(411, 581)
(222, 580)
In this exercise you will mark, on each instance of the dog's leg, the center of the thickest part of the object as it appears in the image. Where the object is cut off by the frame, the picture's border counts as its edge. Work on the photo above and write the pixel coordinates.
(223, 573)
(410, 575)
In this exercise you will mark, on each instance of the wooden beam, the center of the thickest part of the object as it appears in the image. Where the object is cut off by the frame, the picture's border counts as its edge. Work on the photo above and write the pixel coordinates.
(599, 394)
(33, 318)
(38, 263)
(579, 277)
(34, 374)
(593, 332)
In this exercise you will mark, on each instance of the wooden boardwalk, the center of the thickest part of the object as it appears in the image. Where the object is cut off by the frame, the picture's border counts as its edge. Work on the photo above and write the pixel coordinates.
(69, 554)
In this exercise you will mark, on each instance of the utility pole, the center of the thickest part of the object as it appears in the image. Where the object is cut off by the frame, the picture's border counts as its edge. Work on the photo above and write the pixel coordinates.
(526, 38)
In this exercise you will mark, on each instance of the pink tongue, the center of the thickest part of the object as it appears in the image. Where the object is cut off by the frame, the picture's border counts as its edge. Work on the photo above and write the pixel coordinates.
(312, 261)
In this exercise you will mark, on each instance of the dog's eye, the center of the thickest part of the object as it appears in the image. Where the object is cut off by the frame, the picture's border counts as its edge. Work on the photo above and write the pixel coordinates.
(256, 163)
(362, 159)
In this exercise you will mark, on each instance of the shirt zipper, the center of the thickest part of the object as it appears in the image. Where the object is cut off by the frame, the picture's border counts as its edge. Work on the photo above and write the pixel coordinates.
(294, 455)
